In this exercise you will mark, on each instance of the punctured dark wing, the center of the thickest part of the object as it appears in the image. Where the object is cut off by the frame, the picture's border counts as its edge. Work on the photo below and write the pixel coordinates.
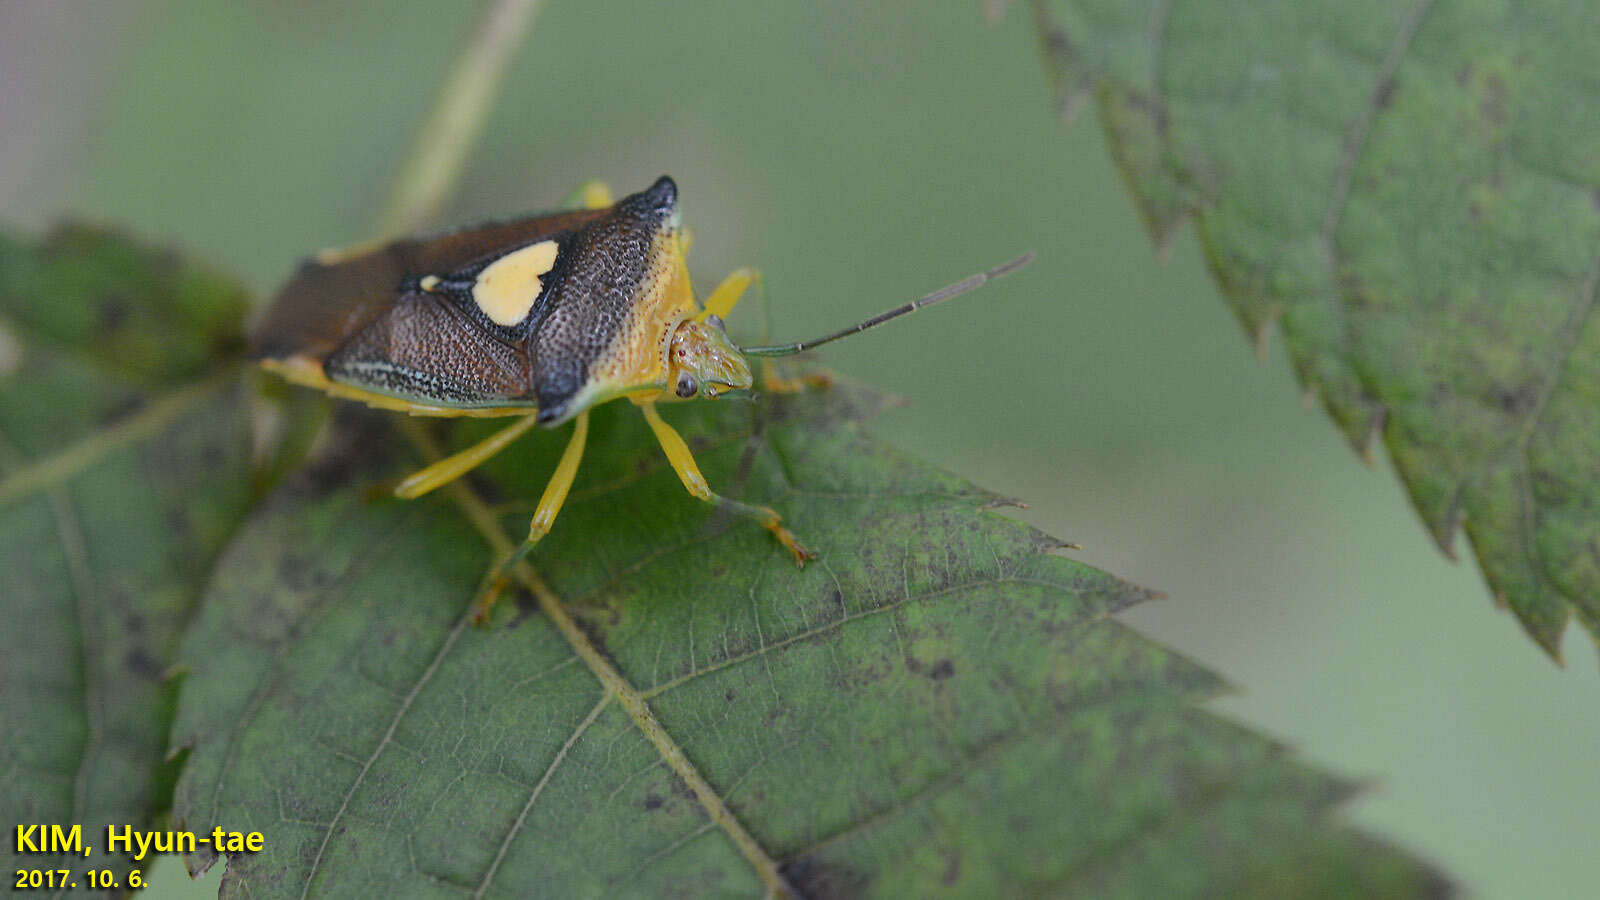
(324, 304)
(424, 348)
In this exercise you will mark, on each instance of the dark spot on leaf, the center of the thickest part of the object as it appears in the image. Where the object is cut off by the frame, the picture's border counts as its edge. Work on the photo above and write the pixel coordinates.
(142, 664)
(1464, 74)
(112, 312)
(680, 788)
(952, 865)
(729, 696)
(119, 601)
(652, 801)
(942, 669)
(1384, 95)
(818, 880)
(1518, 401)
(1474, 212)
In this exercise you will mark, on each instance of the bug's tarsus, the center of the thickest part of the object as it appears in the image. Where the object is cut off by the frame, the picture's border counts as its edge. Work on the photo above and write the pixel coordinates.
(970, 283)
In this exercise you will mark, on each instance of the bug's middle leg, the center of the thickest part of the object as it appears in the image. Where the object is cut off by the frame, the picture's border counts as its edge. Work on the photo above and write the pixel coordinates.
(688, 471)
(544, 516)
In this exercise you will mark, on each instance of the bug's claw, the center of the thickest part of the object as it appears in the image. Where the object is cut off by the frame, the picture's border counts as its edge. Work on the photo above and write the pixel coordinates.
(488, 594)
(792, 544)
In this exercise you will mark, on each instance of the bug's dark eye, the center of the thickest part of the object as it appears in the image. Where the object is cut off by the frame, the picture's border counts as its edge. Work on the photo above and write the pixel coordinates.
(716, 322)
(687, 386)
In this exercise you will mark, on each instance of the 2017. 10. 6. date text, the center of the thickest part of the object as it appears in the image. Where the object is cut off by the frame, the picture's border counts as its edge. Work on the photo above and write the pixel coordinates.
(92, 879)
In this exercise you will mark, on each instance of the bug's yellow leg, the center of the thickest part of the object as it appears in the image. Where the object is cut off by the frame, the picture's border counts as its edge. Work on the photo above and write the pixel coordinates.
(722, 299)
(592, 194)
(555, 495)
(689, 473)
(452, 467)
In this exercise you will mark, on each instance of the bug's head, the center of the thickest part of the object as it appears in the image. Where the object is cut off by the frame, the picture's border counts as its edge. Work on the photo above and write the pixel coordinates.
(702, 362)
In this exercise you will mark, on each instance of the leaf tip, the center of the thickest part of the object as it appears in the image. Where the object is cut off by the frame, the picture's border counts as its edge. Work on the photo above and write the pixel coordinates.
(1548, 634)
(1447, 527)
(1372, 435)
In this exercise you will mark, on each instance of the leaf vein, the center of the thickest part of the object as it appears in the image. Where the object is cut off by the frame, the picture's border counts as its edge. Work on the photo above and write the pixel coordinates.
(388, 735)
(75, 554)
(258, 698)
(482, 518)
(533, 796)
(1355, 139)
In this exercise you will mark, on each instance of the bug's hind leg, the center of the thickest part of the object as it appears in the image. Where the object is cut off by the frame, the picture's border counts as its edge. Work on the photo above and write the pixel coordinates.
(550, 503)
(452, 467)
(689, 473)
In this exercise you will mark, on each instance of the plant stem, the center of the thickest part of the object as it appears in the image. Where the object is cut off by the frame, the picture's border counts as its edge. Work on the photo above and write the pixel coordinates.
(433, 166)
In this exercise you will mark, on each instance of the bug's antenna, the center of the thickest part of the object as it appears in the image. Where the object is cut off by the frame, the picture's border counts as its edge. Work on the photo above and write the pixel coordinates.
(970, 283)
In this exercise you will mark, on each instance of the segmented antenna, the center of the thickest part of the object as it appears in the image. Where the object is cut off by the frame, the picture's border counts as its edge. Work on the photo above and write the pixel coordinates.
(970, 283)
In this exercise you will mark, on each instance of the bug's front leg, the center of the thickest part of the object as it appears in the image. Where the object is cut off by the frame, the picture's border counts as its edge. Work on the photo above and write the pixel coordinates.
(550, 503)
(725, 296)
(689, 473)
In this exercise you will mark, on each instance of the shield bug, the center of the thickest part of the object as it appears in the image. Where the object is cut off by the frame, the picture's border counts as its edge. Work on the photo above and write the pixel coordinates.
(538, 318)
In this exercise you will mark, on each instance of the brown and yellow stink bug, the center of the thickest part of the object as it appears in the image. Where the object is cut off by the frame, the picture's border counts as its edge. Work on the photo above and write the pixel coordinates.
(538, 318)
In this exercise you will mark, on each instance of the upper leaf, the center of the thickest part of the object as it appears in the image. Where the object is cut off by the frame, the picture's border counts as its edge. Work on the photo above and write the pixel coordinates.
(938, 706)
(121, 475)
(1412, 194)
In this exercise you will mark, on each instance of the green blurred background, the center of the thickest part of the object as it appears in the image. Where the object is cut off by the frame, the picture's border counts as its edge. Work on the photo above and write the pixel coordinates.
(861, 153)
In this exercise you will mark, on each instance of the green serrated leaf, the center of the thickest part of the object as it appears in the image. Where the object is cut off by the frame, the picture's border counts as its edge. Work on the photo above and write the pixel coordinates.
(1409, 193)
(124, 467)
(938, 706)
